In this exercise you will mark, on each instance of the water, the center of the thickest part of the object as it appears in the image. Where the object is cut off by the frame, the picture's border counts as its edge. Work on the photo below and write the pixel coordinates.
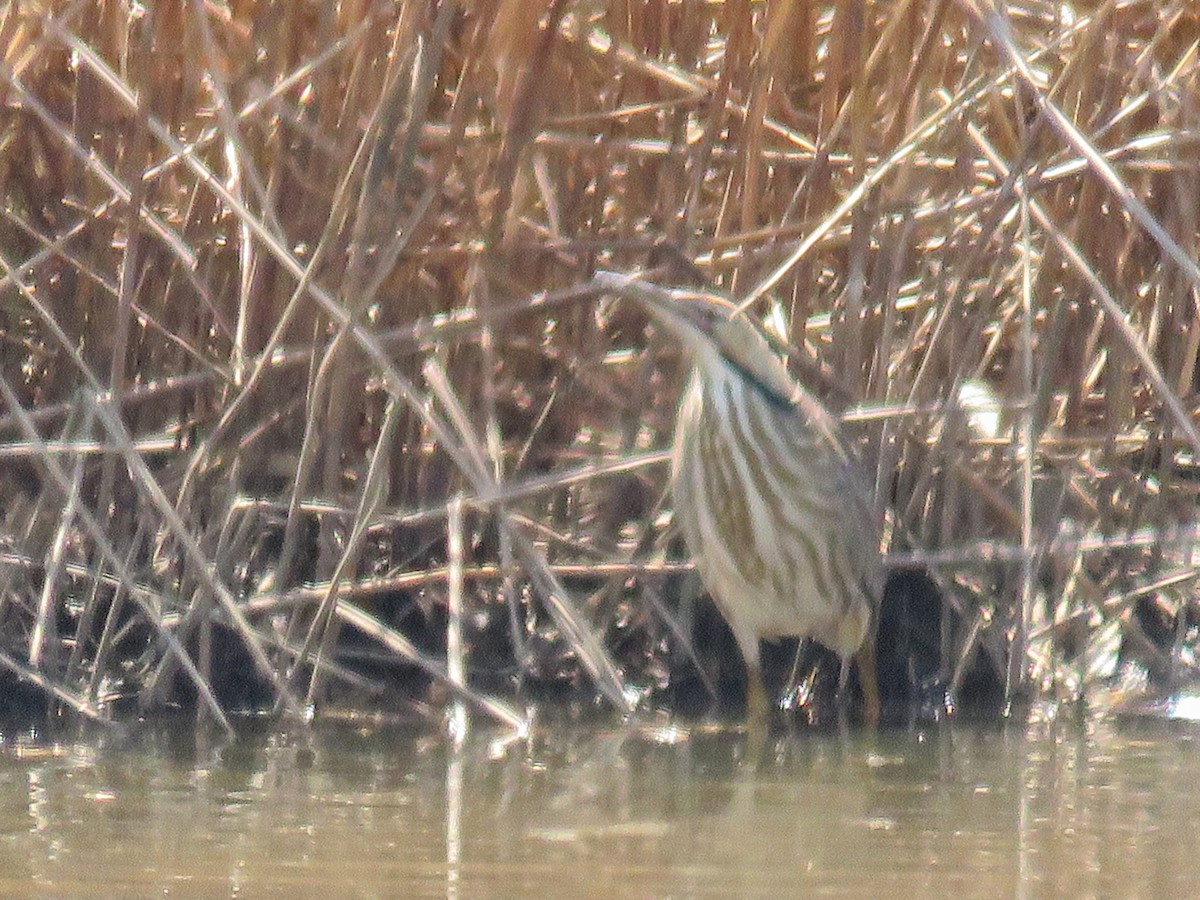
(1054, 809)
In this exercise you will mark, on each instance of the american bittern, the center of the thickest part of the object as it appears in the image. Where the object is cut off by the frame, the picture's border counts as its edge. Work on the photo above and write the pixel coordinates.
(771, 501)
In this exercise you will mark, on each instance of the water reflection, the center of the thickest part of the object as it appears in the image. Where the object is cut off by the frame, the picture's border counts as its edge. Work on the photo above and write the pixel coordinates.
(1053, 809)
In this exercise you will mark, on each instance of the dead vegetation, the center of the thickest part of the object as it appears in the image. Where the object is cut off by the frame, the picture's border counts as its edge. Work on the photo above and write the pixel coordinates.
(307, 388)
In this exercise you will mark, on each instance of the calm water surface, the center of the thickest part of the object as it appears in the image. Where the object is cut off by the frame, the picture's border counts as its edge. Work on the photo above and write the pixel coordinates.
(1047, 810)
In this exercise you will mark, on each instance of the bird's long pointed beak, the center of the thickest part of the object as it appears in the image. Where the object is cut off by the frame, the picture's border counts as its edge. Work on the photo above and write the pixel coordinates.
(670, 308)
(656, 299)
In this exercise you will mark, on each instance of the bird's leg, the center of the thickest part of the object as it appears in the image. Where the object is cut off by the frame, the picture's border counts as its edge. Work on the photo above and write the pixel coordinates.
(865, 660)
(868, 678)
(758, 713)
(842, 697)
(758, 710)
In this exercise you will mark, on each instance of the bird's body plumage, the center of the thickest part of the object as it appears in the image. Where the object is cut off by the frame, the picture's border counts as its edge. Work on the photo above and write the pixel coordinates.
(750, 525)
(771, 501)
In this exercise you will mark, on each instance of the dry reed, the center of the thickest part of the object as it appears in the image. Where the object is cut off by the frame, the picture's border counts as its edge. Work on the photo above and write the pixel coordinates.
(303, 362)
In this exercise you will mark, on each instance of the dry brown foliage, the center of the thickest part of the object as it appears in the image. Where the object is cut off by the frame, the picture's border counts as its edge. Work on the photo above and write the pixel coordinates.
(304, 372)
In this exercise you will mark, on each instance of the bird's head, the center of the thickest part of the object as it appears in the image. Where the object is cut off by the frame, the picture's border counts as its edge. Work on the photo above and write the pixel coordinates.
(719, 337)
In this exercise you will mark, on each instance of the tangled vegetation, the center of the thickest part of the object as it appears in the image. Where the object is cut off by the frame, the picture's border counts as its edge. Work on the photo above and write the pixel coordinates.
(309, 399)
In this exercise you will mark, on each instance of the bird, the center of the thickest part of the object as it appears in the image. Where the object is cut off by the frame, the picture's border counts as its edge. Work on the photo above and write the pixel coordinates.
(774, 505)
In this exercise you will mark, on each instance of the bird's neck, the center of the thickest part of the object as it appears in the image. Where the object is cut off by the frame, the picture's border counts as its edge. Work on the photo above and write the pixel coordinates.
(732, 370)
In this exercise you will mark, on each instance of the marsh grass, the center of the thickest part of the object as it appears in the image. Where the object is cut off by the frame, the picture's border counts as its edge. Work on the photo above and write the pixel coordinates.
(309, 396)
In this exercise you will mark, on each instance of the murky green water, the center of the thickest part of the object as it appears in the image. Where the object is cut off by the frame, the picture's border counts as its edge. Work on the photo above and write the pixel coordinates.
(1049, 810)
